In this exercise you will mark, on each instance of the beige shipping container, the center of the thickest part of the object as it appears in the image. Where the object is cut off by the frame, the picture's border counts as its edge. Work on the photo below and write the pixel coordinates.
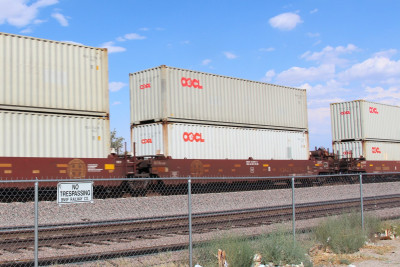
(364, 120)
(42, 74)
(199, 141)
(370, 150)
(171, 94)
(25, 134)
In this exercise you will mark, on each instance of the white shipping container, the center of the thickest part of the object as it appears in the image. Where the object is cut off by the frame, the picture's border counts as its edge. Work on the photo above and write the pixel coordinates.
(171, 94)
(363, 120)
(24, 134)
(370, 150)
(46, 74)
(195, 141)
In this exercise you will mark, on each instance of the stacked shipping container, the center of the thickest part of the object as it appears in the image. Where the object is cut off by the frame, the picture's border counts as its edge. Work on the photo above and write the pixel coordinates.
(362, 129)
(187, 114)
(54, 95)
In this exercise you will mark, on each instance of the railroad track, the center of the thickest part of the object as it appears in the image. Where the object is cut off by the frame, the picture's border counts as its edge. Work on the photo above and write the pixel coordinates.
(113, 232)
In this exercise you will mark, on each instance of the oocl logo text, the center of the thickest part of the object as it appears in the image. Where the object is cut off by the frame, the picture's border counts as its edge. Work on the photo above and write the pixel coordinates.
(192, 137)
(144, 86)
(188, 82)
(147, 141)
(376, 150)
(347, 112)
(373, 110)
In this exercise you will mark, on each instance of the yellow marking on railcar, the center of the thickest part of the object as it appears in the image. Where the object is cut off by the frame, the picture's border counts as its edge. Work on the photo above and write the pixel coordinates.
(206, 170)
(5, 165)
(63, 171)
(207, 165)
(7, 171)
(237, 165)
(371, 165)
(233, 170)
(35, 171)
(109, 166)
(220, 170)
(265, 165)
(62, 165)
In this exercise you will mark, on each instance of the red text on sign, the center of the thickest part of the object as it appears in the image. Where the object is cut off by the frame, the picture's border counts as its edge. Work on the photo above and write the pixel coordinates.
(147, 141)
(188, 82)
(144, 86)
(373, 110)
(376, 150)
(345, 112)
(192, 137)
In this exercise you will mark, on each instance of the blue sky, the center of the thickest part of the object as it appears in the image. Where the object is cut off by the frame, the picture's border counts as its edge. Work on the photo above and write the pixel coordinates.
(337, 50)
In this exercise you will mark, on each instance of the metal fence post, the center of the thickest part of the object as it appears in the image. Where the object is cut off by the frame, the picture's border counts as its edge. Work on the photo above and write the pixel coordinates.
(294, 212)
(362, 202)
(190, 222)
(36, 223)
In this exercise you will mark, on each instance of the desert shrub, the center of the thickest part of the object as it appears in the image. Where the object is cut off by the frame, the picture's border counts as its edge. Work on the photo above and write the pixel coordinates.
(344, 234)
(280, 248)
(238, 252)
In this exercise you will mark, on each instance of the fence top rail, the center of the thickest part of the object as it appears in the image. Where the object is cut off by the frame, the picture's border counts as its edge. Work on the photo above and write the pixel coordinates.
(41, 180)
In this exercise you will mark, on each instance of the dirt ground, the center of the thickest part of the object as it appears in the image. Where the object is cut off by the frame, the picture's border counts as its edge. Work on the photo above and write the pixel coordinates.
(384, 253)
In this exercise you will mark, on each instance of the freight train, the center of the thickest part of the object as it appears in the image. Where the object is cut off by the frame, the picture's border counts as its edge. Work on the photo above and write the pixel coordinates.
(54, 124)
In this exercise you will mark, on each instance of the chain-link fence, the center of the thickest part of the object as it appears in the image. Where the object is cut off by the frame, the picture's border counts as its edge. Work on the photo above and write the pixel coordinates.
(117, 222)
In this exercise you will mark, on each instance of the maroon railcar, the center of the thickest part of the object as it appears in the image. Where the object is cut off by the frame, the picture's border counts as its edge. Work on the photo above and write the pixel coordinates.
(27, 168)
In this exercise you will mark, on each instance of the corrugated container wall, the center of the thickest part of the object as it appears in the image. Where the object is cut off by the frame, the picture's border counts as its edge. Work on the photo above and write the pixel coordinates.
(24, 134)
(370, 150)
(195, 141)
(44, 74)
(172, 94)
(363, 120)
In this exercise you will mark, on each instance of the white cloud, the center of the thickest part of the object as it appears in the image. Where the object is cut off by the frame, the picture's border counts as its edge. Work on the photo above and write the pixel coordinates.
(374, 93)
(144, 29)
(330, 87)
(27, 30)
(112, 48)
(386, 53)
(18, 13)
(60, 18)
(313, 35)
(269, 49)
(315, 10)
(131, 36)
(297, 75)
(268, 76)
(39, 21)
(230, 55)
(330, 55)
(319, 120)
(115, 103)
(72, 42)
(134, 36)
(285, 21)
(373, 69)
(206, 62)
(116, 86)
